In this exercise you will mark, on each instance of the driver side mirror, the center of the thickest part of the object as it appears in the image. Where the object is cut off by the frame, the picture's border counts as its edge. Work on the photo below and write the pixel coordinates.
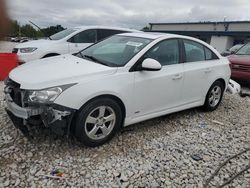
(150, 65)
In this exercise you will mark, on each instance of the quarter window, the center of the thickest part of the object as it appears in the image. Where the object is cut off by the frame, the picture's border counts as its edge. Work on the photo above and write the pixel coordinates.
(165, 52)
(87, 36)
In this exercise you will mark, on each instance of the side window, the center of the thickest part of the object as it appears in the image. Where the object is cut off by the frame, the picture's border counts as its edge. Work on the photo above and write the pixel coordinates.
(104, 33)
(194, 51)
(209, 54)
(87, 36)
(166, 52)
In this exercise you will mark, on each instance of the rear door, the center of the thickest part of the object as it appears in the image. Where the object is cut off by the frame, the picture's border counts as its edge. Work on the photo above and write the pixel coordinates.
(82, 40)
(199, 71)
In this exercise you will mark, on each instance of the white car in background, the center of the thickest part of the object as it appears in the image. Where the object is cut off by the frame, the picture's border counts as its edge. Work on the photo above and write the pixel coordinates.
(70, 40)
(122, 80)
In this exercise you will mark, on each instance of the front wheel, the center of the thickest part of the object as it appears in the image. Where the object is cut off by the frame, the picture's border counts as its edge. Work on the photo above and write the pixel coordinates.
(98, 122)
(214, 96)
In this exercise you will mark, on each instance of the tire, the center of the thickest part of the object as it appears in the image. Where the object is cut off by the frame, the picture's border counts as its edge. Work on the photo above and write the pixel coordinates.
(214, 96)
(98, 121)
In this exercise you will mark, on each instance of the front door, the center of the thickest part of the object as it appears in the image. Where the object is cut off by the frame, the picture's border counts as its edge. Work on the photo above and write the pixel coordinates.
(156, 91)
(82, 40)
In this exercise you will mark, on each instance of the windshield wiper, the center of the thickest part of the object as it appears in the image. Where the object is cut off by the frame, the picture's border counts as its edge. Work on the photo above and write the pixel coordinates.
(94, 59)
(79, 53)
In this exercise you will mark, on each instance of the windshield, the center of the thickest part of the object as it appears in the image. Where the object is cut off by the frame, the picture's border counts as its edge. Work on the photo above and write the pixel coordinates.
(245, 50)
(235, 48)
(62, 34)
(115, 51)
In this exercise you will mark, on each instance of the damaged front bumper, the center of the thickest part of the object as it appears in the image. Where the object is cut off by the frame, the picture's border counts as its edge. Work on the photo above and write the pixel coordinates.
(57, 118)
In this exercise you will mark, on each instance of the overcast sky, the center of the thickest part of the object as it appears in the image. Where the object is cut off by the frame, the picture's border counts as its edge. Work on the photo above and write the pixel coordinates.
(125, 13)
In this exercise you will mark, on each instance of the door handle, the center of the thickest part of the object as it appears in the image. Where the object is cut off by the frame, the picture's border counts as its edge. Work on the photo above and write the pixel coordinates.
(76, 45)
(177, 77)
(208, 70)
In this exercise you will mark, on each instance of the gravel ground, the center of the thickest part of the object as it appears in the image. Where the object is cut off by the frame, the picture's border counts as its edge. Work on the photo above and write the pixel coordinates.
(155, 153)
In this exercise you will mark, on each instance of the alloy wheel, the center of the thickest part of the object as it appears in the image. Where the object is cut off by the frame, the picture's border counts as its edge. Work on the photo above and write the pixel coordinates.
(215, 95)
(100, 122)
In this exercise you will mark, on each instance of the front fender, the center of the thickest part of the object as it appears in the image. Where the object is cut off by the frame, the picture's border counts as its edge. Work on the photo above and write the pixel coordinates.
(120, 86)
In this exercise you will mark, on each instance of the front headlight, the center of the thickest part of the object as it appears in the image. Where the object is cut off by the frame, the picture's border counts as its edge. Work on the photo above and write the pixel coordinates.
(46, 95)
(27, 50)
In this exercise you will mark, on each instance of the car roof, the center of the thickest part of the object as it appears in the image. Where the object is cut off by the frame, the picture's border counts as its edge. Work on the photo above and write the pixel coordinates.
(105, 27)
(150, 35)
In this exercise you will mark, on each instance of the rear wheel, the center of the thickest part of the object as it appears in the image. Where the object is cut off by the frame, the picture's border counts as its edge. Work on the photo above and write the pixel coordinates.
(214, 96)
(98, 122)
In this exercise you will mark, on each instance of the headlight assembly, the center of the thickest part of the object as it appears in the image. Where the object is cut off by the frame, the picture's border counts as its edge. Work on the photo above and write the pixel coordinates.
(27, 50)
(46, 95)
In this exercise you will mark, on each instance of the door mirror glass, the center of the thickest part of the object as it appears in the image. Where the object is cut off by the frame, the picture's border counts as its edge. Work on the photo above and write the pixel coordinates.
(150, 65)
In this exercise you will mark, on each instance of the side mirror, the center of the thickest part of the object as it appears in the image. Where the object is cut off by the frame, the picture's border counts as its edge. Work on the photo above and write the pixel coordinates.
(232, 52)
(150, 65)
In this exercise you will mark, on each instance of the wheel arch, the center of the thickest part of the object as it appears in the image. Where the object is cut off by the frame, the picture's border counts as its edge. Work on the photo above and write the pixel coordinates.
(222, 81)
(218, 79)
(111, 96)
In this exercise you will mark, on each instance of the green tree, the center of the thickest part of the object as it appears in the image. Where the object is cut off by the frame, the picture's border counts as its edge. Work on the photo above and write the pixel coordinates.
(14, 28)
(146, 28)
(28, 31)
(52, 30)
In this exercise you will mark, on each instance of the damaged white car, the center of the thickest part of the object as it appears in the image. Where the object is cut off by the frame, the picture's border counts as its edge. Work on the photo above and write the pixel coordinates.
(119, 81)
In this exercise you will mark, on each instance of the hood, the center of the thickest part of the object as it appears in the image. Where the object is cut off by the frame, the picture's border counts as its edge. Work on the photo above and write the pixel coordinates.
(239, 59)
(58, 70)
(37, 43)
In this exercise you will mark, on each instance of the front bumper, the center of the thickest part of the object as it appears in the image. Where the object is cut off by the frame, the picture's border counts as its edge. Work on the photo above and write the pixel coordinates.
(57, 118)
(26, 57)
(20, 112)
(240, 75)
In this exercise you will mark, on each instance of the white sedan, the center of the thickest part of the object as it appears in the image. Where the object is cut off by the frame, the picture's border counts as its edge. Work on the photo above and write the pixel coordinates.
(68, 41)
(117, 82)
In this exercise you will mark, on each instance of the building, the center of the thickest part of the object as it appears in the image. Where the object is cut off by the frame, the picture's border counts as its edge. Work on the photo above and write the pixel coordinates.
(221, 35)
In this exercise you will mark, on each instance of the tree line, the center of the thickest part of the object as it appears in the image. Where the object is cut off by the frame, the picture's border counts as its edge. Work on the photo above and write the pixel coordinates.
(27, 30)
